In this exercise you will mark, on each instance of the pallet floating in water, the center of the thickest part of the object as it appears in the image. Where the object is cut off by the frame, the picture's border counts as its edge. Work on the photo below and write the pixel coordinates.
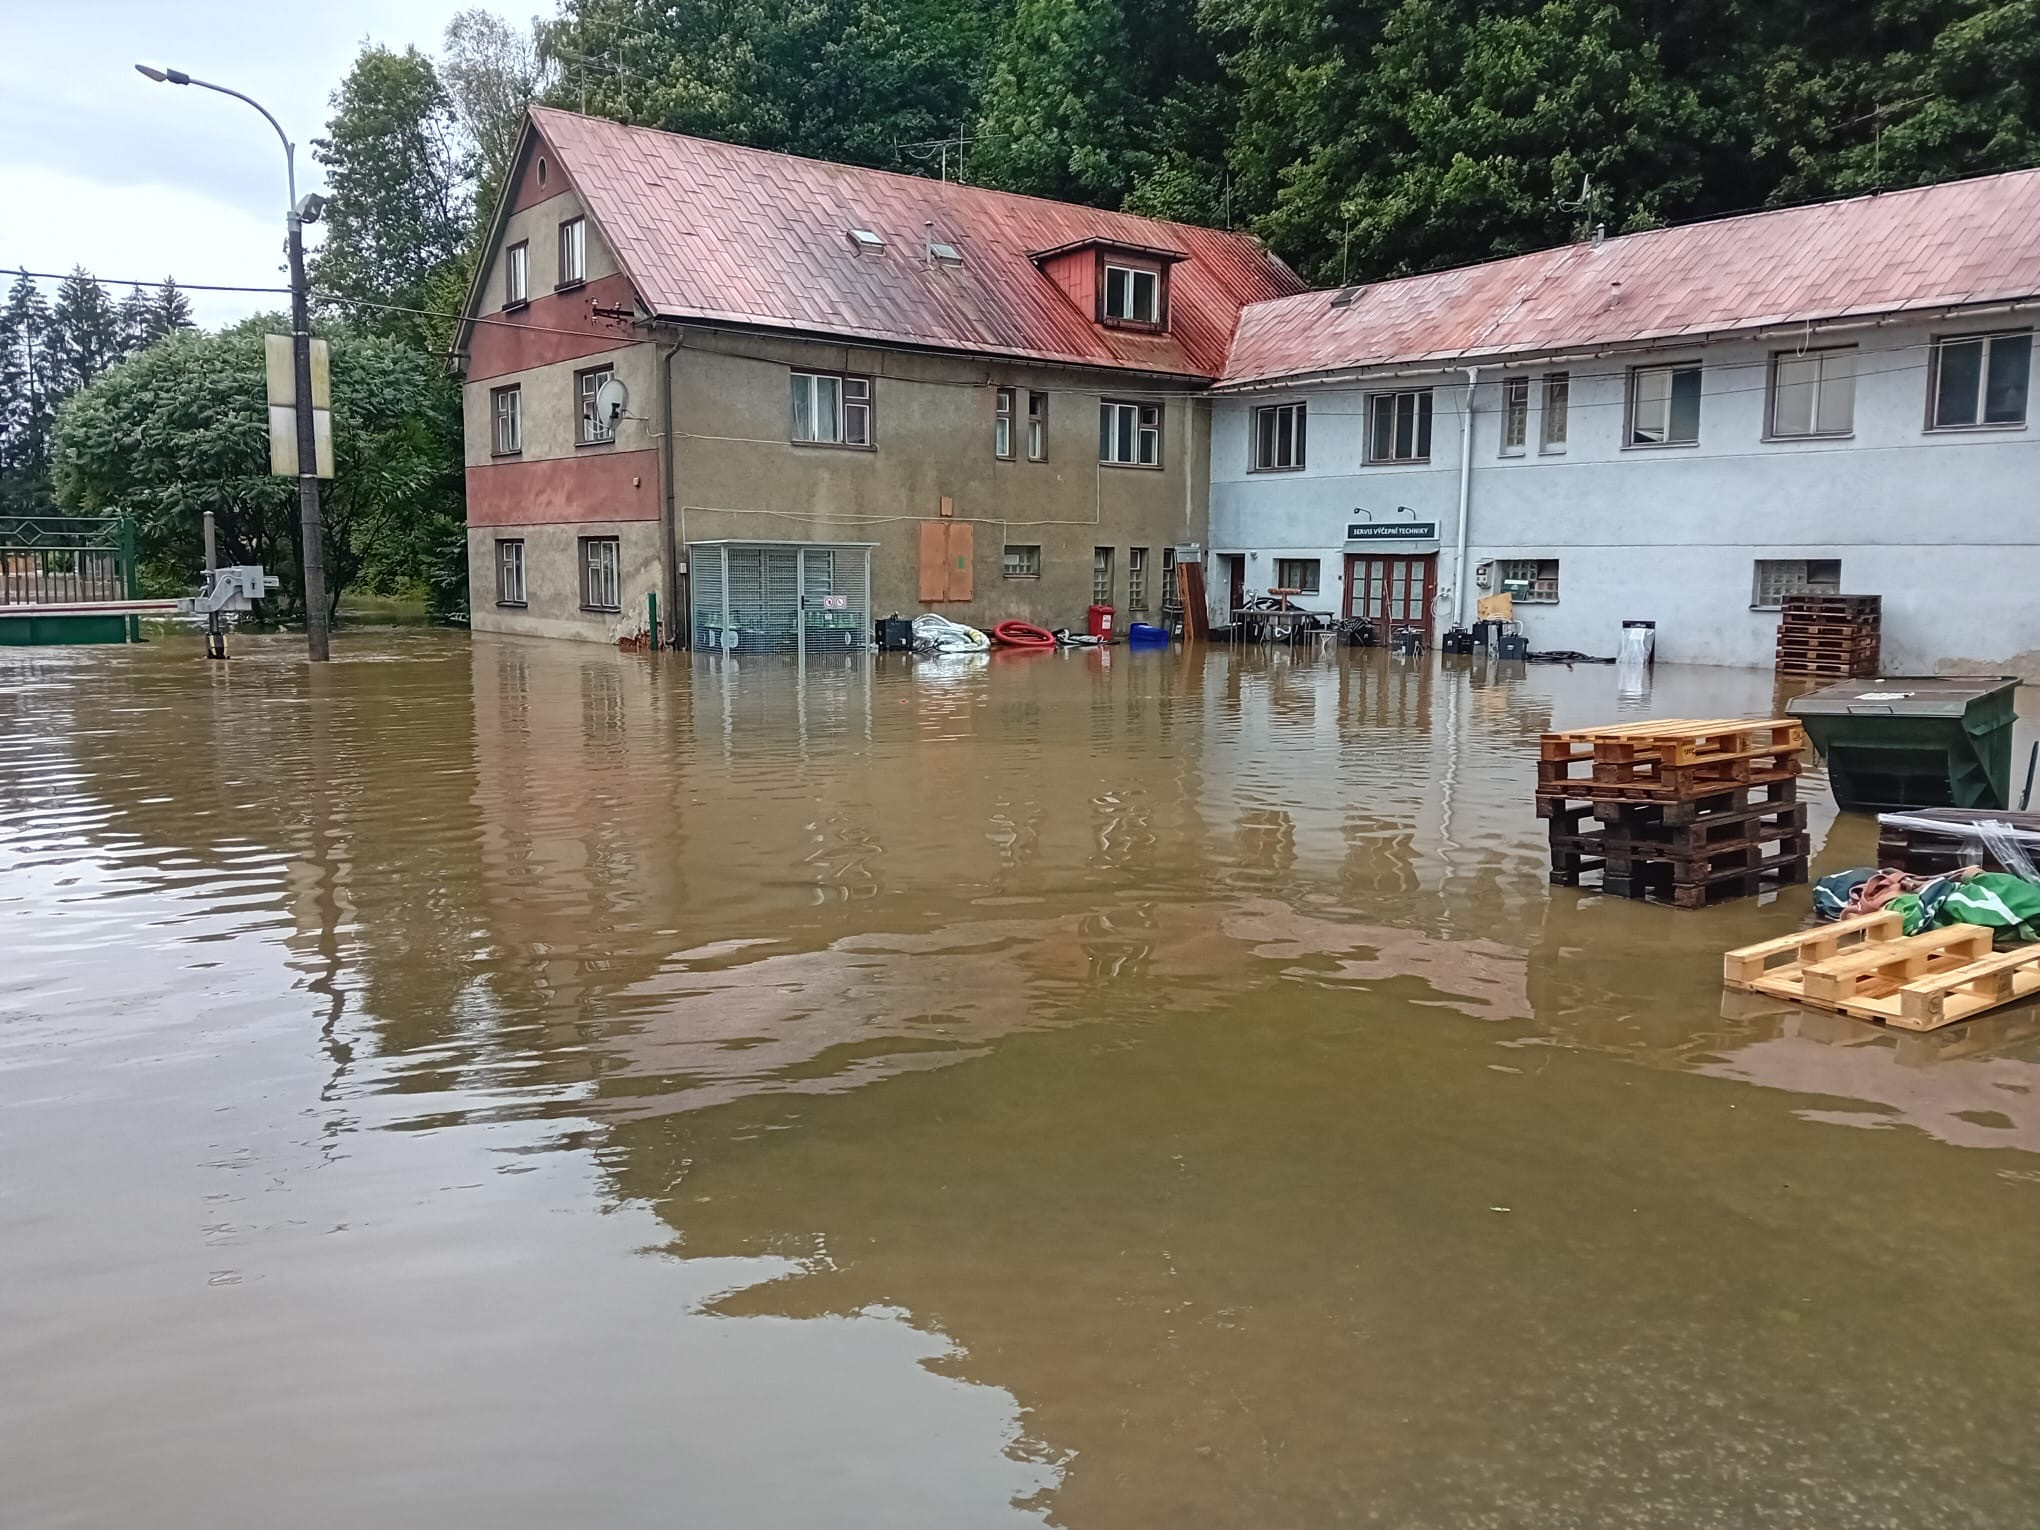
(1869, 968)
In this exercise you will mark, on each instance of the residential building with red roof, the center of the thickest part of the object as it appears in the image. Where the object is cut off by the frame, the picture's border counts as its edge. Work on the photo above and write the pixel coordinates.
(780, 397)
(1678, 426)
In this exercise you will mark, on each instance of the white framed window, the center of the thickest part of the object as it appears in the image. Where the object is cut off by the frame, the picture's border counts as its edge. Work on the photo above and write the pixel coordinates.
(1278, 437)
(1002, 425)
(1813, 393)
(1515, 416)
(1299, 574)
(506, 409)
(1775, 578)
(594, 426)
(1399, 426)
(1533, 581)
(510, 571)
(832, 409)
(1664, 405)
(1136, 578)
(1171, 597)
(1037, 427)
(1129, 434)
(1133, 295)
(1022, 561)
(517, 275)
(1552, 425)
(1980, 380)
(573, 252)
(601, 585)
(1101, 576)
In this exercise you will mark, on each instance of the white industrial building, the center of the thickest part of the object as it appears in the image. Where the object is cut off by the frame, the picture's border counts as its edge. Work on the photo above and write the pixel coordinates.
(1678, 426)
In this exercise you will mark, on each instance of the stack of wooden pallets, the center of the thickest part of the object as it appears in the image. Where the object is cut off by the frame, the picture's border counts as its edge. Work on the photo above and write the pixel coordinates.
(1678, 811)
(1868, 967)
(1835, 637)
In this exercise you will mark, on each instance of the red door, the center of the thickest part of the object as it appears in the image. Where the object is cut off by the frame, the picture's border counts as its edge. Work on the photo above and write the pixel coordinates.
(1392, 591)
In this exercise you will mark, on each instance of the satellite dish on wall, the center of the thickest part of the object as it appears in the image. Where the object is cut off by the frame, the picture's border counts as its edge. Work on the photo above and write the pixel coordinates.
(612, 399)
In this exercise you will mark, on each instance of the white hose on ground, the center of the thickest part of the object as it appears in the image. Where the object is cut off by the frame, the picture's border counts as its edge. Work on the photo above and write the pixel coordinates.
(938, 634)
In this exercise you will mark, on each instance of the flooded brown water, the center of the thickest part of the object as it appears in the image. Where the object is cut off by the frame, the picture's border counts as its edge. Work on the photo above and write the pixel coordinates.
(522, 1085)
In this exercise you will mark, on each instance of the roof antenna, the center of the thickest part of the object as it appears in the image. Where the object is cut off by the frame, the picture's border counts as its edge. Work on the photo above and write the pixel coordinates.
(1584, 203)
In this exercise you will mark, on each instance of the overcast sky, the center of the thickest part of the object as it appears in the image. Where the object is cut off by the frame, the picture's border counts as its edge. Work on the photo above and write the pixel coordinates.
(102, 168)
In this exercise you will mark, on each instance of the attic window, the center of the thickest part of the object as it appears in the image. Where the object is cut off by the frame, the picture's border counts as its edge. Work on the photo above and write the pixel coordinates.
(1345, 299)
(948, 254)
(865, 239)
(541, 169)
(1133, 296)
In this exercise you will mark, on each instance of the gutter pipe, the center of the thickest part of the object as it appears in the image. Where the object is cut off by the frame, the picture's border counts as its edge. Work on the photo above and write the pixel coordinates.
(1465, 499)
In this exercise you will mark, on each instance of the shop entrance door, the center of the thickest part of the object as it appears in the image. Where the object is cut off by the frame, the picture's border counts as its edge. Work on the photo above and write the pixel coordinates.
(1392, 591)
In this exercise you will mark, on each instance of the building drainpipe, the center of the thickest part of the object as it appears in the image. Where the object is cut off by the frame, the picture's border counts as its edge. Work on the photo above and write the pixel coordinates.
(679, 626)
(1465, 500)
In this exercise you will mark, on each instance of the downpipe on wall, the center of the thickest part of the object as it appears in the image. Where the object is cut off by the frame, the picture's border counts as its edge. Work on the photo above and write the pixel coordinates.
(1465, 499)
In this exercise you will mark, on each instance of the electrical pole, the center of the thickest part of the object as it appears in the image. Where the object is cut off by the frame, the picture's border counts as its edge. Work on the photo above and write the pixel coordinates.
(311, 523)
(311, 526)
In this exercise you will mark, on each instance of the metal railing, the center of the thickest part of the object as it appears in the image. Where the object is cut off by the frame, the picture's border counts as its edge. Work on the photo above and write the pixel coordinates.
(66, 559)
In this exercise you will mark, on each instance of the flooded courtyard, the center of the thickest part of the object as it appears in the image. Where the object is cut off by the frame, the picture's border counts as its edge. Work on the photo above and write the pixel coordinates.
(519, 1084)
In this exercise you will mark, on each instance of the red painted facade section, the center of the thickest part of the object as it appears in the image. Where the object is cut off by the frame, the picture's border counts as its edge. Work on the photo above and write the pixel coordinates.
(559, 326)
(594, 486)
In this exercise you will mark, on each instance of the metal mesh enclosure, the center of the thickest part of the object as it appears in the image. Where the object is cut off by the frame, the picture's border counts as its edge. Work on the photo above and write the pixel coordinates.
(794, 598)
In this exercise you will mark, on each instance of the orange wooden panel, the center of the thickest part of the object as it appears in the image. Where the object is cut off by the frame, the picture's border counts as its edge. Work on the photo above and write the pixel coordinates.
(934, 562)
(962, 545)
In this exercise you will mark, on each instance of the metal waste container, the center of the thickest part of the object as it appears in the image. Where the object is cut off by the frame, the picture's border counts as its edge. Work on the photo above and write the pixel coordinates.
(1914, 740)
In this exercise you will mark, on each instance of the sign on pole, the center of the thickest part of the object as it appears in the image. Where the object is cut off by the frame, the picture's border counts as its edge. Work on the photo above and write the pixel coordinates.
(280, 363)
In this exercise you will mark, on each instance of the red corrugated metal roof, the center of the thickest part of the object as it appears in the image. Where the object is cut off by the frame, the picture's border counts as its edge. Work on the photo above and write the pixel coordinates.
(712, 231)
(1963, 242)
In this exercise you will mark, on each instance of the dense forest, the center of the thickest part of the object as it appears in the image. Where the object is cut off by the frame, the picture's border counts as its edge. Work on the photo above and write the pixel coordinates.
(1360, 138)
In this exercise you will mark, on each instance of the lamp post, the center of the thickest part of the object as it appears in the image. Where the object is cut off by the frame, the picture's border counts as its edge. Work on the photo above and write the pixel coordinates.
(312, 554)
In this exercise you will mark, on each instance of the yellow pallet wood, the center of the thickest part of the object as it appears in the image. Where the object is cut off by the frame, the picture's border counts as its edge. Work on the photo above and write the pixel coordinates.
(1869, 969)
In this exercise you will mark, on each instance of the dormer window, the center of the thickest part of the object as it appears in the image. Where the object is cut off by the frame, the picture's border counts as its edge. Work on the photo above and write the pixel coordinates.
(1133, 296)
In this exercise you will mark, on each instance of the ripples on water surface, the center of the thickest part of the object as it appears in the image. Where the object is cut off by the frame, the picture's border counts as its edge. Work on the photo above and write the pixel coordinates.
(513, 1085)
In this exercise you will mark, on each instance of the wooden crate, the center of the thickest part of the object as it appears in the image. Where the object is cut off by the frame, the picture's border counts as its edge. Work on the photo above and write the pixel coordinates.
(1869, 968)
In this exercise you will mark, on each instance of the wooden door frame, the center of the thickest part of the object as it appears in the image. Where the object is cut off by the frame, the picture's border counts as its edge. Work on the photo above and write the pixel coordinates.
(1430, 596)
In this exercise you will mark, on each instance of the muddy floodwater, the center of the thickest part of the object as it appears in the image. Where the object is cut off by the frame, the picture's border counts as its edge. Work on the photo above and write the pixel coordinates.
(503, 1084)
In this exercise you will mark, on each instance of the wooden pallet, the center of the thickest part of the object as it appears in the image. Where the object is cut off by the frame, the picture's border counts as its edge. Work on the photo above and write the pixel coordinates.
(1869, 968)
(1840, 669)
(1832, 605)
(1778, 791)
(1649, 780)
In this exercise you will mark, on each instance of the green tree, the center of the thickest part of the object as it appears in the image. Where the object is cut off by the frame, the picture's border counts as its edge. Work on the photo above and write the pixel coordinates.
(1089, 99)
(182, 428)
(28, 397)
(491, 72)
(1432, 132)
(85, 331)
(398, 217)
(851, 80)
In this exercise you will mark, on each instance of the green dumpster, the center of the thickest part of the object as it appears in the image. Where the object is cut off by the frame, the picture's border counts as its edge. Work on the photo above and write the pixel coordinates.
(1914, 740)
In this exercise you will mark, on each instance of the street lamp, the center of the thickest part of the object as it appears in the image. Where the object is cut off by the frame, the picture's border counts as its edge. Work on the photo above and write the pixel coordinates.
(312, 558)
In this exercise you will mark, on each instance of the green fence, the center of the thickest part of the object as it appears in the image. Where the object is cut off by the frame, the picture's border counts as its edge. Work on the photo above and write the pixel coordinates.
(56, 560)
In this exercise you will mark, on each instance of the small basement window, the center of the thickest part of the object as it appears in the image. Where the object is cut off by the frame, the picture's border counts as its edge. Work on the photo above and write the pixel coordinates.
(1022, 561)
(1299, 574)
(1778, 577)
(1533, 581)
